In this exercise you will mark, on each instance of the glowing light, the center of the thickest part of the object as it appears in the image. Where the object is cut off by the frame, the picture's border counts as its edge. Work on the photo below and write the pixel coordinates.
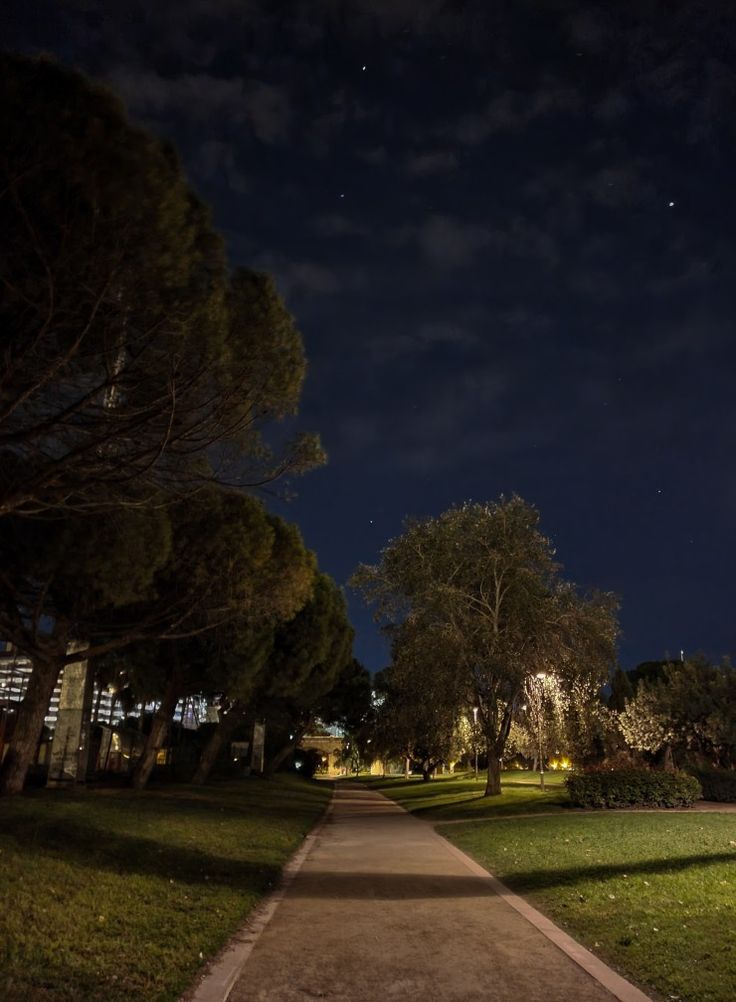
(561, 763)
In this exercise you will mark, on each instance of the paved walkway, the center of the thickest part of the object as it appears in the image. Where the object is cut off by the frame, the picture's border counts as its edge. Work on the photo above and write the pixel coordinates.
(384, 909)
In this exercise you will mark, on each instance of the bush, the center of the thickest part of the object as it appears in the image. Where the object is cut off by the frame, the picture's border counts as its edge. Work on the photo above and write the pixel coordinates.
(717, 784)
(632, 788)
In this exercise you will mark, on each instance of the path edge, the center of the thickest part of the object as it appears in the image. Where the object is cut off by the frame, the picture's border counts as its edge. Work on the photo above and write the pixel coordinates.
(614, 983)
(222, 972)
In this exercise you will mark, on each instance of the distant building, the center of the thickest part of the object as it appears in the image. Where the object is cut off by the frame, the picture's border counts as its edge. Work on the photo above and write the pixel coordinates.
(15, 672)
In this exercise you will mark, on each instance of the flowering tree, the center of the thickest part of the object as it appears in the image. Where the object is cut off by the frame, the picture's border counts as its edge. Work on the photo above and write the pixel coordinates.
(689, 709)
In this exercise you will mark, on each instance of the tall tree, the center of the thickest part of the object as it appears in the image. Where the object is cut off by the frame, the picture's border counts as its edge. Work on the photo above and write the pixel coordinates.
(621, 689)
(686, 711)
(421, 706)
(309, 654)
(251, 571)
(237, 654)
(137, 577)
(239, 660)
(62, 576)
(480, 584)
(349, 706)
(349, 703)
(128, 353)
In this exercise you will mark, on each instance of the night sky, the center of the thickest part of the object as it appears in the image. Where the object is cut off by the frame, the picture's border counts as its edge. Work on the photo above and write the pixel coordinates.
(507, 233)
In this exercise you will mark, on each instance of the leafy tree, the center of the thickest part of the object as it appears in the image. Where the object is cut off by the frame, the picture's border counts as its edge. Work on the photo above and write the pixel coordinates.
(349, 703)
(240, 658)
(689, 709)
(479, 582)
(131, 361)
(240, 653)
(349, 706)
(621, 690)
(420, 711)
(61, 577)
(646, 721)
(542, 717)
(309, 654)
(147, 578)
(251, 571)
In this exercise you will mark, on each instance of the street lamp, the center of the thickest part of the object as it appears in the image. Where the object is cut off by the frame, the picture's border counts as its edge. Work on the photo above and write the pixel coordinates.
(475, 738)
(541, 676)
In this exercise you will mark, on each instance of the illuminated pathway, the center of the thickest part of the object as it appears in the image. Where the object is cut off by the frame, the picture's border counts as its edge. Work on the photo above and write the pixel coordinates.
(385, 909)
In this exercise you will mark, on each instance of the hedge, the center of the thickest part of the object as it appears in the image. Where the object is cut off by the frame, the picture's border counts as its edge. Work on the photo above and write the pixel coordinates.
(632, 788)
(717, 784)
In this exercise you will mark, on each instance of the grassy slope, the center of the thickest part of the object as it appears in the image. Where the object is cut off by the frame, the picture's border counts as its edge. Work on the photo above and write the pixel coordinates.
(652, 893)
(119, 896)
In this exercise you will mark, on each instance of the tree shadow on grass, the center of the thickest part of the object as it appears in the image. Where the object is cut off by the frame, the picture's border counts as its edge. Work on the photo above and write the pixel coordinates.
(356, 885)
(106, 850)
(477, 808)
(541, 879)
(260, 803)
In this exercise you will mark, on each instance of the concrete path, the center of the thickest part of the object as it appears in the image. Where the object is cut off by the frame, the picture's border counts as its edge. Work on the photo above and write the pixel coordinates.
(384, 909)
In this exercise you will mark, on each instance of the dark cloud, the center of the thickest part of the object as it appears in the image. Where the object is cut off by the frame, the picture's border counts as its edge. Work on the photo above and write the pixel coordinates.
(512, 111)
(218, 163)
(203, 97)
(431, 162)
(377, 156)
(336, 225)
(299, 277)
(387, 347)
(620, 185)
(449, 242)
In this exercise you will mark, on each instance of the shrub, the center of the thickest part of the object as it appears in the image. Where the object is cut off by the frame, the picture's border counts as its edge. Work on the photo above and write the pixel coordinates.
(632, 788)
(717, 784)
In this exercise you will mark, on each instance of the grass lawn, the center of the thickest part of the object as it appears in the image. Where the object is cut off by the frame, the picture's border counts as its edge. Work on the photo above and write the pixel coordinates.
(454, 797)
(118, 895)
(653, 893)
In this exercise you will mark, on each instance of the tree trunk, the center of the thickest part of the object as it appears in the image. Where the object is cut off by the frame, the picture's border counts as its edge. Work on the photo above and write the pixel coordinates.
(668, 761)
(281, 755)
(29, 725)
(219, 736)
(407, 767)
(426, 773)
(154, 741)
(493, 779)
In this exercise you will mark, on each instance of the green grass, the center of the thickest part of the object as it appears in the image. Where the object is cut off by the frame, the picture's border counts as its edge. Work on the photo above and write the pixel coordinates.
(456, 797)
(653, 893)
(122, 895)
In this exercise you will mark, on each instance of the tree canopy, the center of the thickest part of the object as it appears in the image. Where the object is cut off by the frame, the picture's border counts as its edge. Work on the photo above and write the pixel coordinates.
(477, 597)
(309, 654)
(131, 360)
(686, 711)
